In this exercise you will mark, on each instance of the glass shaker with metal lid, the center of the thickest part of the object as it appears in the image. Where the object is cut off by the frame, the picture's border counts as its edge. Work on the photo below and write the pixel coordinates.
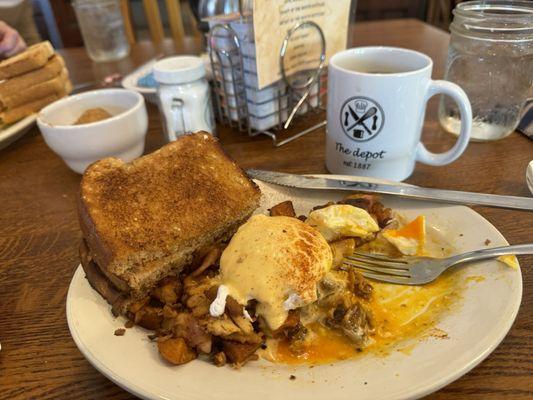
(209, 8)
(491, 57)
(183, 96)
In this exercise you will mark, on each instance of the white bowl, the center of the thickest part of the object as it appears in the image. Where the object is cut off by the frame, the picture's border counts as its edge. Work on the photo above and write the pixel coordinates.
(120, 136)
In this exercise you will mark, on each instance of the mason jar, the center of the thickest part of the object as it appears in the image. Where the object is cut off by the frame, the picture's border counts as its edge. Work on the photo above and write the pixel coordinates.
(102, 27)
(491, 57)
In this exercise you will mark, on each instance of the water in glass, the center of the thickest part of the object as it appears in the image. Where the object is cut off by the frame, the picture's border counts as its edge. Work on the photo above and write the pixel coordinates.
(102, 28)
(491, 58)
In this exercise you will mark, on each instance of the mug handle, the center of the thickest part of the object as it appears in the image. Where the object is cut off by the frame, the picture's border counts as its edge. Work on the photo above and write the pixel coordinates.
(459, 96)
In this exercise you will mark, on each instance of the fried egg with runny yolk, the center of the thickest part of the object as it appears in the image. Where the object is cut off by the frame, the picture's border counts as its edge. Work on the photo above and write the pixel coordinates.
(410, 239)
(277, 261)
(342, 220)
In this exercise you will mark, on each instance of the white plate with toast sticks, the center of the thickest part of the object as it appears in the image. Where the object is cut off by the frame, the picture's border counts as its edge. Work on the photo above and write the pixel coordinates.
(473, 328)
(15, 131)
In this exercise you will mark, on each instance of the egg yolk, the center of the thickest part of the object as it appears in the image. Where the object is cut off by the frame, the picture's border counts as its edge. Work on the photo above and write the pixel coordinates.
(509, 260)
(411, 238)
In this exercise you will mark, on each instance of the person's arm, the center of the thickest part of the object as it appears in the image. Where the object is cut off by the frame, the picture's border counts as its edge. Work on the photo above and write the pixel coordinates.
(11, 42)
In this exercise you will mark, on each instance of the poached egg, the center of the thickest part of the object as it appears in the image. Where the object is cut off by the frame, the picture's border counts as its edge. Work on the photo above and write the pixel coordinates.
(277, 261)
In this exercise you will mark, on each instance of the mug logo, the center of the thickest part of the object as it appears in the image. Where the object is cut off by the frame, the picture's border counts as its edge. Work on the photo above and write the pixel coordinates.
(361, 118)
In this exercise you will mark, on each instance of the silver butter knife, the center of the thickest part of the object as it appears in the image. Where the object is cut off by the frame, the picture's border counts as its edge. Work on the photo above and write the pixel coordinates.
(414, 192)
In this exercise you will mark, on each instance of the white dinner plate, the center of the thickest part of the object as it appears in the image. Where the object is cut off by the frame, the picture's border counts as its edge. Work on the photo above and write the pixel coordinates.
(11, 133)
(475, 326)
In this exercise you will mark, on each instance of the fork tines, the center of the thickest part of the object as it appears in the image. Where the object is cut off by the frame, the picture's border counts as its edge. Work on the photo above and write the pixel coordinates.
(379, 260)
(379, 267)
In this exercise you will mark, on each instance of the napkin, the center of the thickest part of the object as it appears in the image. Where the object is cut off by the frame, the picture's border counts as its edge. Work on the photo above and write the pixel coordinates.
(148, 81)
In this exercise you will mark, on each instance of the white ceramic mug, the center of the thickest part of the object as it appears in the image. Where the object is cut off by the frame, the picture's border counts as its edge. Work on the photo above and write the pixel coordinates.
(376, 104)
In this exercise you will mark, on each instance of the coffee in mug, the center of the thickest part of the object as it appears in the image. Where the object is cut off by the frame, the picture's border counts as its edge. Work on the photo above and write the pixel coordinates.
(376, 104)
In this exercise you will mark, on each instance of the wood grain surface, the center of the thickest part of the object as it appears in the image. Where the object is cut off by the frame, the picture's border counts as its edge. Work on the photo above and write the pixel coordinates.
(39, 232)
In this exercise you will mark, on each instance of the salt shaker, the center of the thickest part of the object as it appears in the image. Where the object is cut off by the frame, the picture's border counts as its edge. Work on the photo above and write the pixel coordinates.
(183, 96)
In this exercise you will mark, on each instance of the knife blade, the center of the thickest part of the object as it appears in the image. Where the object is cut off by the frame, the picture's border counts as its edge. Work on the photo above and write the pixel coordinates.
(408, 191)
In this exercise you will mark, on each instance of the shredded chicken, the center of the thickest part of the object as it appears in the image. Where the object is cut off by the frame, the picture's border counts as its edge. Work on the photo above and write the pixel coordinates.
(221, 326)
(225, 327)
(284, 208)
(294, 331)
(246, 337)
(168, 291)
(344, 311)
(364, 201)
(196, 291)
(356, 323)
(209, 260)
(359, 285)
(383, 215)
(340, 305)
(370, 204)
(236, 313)
(189, 328)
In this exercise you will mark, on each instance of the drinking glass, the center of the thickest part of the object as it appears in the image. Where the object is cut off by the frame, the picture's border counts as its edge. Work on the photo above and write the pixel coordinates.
(102, 28)
(491, 57)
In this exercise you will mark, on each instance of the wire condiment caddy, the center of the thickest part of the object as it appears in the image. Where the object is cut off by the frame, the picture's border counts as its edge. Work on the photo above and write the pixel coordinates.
(269, 111)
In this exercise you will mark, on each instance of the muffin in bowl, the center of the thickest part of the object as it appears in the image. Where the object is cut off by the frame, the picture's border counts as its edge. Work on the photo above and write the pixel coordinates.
(93, 125)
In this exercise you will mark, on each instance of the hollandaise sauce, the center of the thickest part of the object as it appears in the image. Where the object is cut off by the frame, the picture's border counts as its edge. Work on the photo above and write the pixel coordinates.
(399, 313)
(268, 258)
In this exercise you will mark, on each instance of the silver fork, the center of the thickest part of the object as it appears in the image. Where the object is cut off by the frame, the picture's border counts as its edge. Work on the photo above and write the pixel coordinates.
(421, 270)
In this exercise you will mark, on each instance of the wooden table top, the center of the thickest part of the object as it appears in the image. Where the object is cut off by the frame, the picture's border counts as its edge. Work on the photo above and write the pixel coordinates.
(39, 232)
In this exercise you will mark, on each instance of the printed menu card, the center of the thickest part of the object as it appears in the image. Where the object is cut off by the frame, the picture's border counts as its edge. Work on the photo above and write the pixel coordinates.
(274, 18)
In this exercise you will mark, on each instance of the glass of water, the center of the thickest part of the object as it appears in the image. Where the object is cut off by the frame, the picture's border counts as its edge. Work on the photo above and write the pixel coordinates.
(491, 57)
(102, 28)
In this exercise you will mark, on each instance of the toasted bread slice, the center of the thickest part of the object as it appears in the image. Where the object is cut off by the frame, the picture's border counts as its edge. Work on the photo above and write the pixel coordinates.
(144, 220)
(38, 91)
(11, 115)
(50, 70)
(119, 300)
(32, 58)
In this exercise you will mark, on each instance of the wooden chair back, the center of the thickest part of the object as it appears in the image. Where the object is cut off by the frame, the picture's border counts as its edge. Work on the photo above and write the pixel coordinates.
(439, 12)
(153, 18)
(374, 10)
